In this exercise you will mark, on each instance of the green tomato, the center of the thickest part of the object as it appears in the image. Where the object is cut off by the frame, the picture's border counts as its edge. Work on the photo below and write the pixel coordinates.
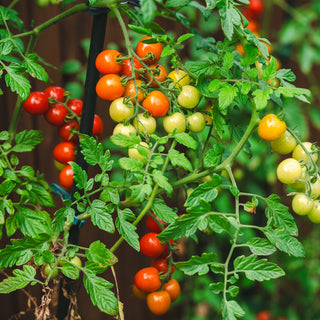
(196, 122)
(289, 170)
(315, 189)
(299, 154)
(314, 214)
(76, 261)
(302, 204)
(119, 111)
(48, 270)
(189, 97)
(142, 155)
(124, 129)
(145, 123)
(42, 3)
(285, 144)
(300, 185)
(175, 121)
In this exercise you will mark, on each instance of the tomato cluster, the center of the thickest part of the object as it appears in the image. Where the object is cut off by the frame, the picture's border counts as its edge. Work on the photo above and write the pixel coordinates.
(65, 113)
(299, 172)
(141, 90)
(154, 283)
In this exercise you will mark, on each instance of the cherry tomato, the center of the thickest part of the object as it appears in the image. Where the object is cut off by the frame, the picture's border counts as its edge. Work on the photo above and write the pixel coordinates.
(159, 74)
(127, 68)
(275, 82)
(314, 214)
(109, 87)
(124, 129)
(300, 185)
(301, 204)
(189, 97)
(289, 170)
(37, 103)
(254, 9)
(75, 105)
(56, 114)
(66, 177)
(173, 288)
(130, 91)
(179, 77)
(139, 294)
(152, 225)
(158, 302)
(150, 245)
(97, 128)
(145, 123)
(64, 152)
(135, 154)
(42, 3)
(156, 103)
(119, 111)
(55, 92)
(271, 127)
(264, 315)
(315, 189)
(150, 51)
(162, 265)
(69, 131)
(285, 144)
(76, 261)
(196, 122)
(106, 61)
(48, 270)
(300, 155)
(147, 279)
(175, 121)
(253, 26)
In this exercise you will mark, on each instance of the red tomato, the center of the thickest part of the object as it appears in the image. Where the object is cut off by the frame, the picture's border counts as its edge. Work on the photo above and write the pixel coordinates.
(264, 315)
(97, 126)
(75, 106)
(56, 114)
(158, 302)
(162, 265)
(106, 61)
(173, 288)
(37, 103)
(152, 225)
(66, 177)
(254, 9)
(127, 68)
(56, 93)
(147, 279)
(159, 74)
(152, 51)
(64, 152)
(150, 245)
(109, 87)
(141, 295)
(69, 131)
(156, 103)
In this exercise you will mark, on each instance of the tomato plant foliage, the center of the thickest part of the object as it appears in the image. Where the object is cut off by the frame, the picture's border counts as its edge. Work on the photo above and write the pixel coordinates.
(200, 161)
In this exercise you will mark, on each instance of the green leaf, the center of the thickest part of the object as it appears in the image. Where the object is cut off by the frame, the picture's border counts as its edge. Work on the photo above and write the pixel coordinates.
(226, 20)
(214, 85)
(184, 37)
(100, 293)
(100, 216)
(245, 87)
(185, 139)
(226, 96)
(176, 3)
(271, 70)
(261, 246)
(17, 83)
(259, 270)
(61, 216)
(179, 159)
(130, 164)
(261, 98)
(231, 310)
(213, 156)
(34, 69)
(198, 67)
(228, 60)
(140, 191)
(27, 140)
(71, 67)
(148, 9)
(39, 194)
(98, 253)
(126, 229)
(197, 264)
(286, 74)
(140, 30)
(162, 211)
(217, 287)
(124, 141)
(162, 181)
(20, 279)
(290, 92)
(80, 175)
(70, 271)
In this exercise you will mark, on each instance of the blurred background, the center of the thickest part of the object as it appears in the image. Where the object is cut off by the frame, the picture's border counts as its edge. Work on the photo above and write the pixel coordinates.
(294, 32)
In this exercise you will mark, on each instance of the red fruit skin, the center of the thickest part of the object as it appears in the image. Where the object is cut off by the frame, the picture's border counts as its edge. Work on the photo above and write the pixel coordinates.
(56, 93)
(162, 265)
(76, 106)
(56, 114)
(66, 177)
(152, 225)
(65, 131)
(127, 69)
(264, 315)
(147, 279)
(37, 103)
(150, 245)
(97, 126)
(64, 152)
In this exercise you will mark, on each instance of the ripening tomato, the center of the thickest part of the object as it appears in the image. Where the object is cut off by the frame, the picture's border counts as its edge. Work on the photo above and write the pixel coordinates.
(55, 92)
(69, 131)
(145, 123)
(132, 91)
(253, 25)
(124, 129)
(97, 128)
(175, 121)
(162, 265)
(173, 288)
(139, 294)
(156, 103)
(302, 204)
(37, 103)
(120, 111)
(289, 170)
(158, 302)
(147, 279)
(196, 122)
(64, 152)
(271, 127)
(107, 61)
(285, 144)
(66, 177)
(48, 269)
(56, 114)
(314, 214)
(109, 87)
(151, 246)
(179, 77)
(189, 97)
(300, 155)
(159, 74)
(127, 68)
(75, 105)
(150, 51)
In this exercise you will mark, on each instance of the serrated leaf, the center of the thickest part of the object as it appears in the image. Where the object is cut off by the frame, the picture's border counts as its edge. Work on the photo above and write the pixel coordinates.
(148, 8)
(217, 287)
(213, 156)
(227, 61)
(179, 159)
(271, 70)
(231, 310)
(80, 175)
(261, 246)
(162, 181)
(140, 191)
(226, 96)
(70, 271)
(286, 74)
(39, 194)
(261, 98)
(98, 253)
(100, 216)
(34, 69)
(176, 3)
(185, 37)
(140, 30)
(197, 264)
(185, 139)
(130, 164)
(17, 83)
(27, 140)
(245, 88)
(162, 211)
(61, 216)
(124, 141)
